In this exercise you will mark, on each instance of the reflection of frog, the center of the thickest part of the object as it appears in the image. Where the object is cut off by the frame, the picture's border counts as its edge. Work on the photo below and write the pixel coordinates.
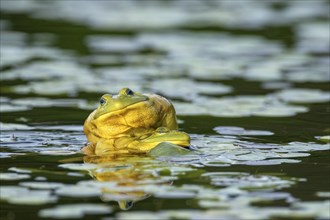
(123, 175)
(129, 121)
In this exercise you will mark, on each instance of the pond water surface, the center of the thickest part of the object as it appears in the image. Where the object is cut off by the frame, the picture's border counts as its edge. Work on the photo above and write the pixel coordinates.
(249, 81)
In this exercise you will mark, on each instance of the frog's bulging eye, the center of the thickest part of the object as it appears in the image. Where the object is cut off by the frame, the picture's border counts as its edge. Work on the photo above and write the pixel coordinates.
(129, 92)
(102, 101)
(126, 91)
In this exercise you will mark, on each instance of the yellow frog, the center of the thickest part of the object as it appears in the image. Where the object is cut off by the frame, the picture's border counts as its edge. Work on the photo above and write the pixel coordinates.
(132, 122)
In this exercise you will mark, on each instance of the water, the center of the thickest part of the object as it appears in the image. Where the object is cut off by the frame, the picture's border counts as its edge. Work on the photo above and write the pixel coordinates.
(249, 81)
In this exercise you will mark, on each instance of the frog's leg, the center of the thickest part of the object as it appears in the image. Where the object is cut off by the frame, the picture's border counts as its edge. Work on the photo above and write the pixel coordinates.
(141, 147)
(104, 145)
(88, 149)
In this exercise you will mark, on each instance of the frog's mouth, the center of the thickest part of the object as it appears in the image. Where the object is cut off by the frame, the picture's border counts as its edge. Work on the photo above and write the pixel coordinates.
(115, 105)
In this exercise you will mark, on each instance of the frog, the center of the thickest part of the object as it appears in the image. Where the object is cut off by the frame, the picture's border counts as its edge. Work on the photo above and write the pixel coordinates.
(132, 122)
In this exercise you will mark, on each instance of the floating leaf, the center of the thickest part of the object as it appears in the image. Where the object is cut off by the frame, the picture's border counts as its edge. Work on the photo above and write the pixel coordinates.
(12, 126)
(78, 166)
(23, 196)
(304, 95)
(231, 130)
(41, 185)
(324, 138)
(77, 191)
(57, 152)
(323, 194)
(13, 176)
(75, 210)
(19, 170)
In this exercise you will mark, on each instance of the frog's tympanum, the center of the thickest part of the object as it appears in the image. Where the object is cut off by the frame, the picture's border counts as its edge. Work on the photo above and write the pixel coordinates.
(132, 122)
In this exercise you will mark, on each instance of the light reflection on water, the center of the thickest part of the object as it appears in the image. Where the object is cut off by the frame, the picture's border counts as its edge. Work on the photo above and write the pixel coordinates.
(215, 63)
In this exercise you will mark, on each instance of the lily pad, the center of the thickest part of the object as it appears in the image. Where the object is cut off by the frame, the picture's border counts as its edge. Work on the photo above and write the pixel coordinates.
(304, 95)
(182, 88)
(23, 196)
(41, 185)
(325, 138)
(19, 170)
(13, 176)
(75, 211)
(323, 194)
(12, 126)
(77, 191)
(231, 130)
(78, 166)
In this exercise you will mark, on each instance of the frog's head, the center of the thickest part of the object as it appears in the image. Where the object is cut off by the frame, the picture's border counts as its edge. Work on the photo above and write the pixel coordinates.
(111, 103)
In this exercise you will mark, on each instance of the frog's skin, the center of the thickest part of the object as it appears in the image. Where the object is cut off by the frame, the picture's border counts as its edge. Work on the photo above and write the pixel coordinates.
(129, 114)
(141, 144)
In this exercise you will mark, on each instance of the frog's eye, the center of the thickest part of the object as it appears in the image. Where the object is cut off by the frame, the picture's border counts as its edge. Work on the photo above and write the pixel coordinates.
(126, 91)
(129, 92)
(102, 101)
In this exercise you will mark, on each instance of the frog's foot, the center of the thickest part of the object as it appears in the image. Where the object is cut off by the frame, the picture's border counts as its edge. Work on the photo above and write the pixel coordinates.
(88, 149)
